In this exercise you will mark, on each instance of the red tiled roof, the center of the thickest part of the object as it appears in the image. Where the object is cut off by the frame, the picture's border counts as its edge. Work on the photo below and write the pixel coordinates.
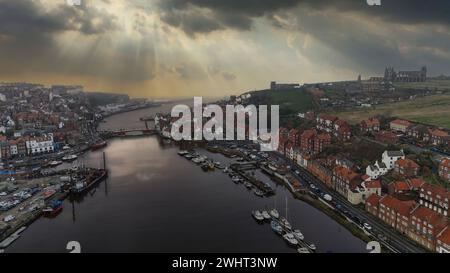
(444, 236)
(346, 174)
(309, 133)
(438, 133)
(431, 217)
(371, 122)
(435, 190)
(400, 186)
(402, 207)
(373, 199)
(416, 182)
(401, 122)
(407, 163)
(324, 136)
(375, 184)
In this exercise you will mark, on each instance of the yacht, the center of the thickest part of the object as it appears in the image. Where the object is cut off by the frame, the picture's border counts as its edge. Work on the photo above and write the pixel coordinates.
(257, 215)
(298, 235)
(274, 213)
(312, 247)
(266, 215)
(248, 185)
(183, 152)
(289, 237)
(285, 224)
(276, 227)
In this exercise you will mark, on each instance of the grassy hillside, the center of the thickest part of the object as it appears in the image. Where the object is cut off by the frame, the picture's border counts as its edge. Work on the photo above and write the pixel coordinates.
(291, 101)
(443, 85)
(433, 110)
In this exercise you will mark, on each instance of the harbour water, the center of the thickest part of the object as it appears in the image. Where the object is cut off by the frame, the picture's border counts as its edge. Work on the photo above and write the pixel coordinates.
(157, 201)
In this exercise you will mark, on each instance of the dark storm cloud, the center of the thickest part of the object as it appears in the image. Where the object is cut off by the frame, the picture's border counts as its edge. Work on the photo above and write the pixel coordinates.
(204, 16)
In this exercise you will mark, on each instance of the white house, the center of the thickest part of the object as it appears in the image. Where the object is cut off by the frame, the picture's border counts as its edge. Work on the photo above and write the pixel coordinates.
(390, 157)
(43, 144)
(376, 170)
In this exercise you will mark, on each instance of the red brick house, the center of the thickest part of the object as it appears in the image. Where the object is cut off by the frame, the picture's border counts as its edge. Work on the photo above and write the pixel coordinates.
(398, 187)
(425, 226)
(321, 141)
(345, 180)
(436, 198)
(395, 213)
(386, 137)
(438, 137)
(370, 125)
(406, 167)
(400, 125)
(321, 172)
(372, 203)
(307, 140)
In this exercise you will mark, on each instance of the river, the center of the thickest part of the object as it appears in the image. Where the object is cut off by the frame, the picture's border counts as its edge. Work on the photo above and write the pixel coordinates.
(156, 201)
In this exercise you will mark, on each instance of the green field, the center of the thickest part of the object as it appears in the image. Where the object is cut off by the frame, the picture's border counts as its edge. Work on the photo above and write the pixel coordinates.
(291, 101)
(442, 85)
(434, 110)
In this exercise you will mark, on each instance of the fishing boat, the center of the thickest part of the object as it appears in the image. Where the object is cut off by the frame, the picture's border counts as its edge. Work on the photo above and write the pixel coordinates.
(69, 157)
(276, 227)
(289, 237)
(266, 215)
(303, 250)
(274, 213)
(48, 193)
(99, 145)
(298, 235)
(87, 183)
(257, 215)
(53, 208)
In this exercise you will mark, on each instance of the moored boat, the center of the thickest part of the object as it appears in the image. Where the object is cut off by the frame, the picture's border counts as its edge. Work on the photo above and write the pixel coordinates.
(289, 237)
(99, 145)
(257, 215)
(276, 227)
(53, 208)
(87, 183)
(266, 215)
(274, 213)
(69, 157)
(298, 235)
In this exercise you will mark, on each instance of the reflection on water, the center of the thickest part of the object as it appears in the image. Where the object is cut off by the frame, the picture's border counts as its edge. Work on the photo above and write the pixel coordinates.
(157, 201)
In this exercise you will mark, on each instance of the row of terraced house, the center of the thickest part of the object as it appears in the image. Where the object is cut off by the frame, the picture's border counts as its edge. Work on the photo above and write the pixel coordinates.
(413, 207)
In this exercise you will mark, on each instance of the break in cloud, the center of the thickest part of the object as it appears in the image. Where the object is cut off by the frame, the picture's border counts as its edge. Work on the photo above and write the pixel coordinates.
(167, 48)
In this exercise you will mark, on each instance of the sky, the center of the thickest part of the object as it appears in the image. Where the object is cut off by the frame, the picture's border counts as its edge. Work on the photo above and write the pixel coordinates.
(181, 48)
